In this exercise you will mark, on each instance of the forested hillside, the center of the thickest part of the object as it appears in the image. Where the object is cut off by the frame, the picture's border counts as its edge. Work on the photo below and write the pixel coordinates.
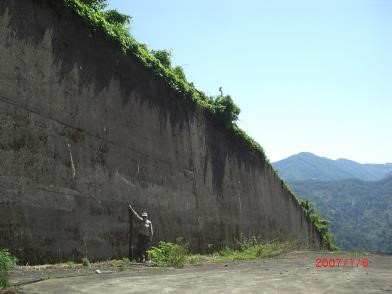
(360, 212)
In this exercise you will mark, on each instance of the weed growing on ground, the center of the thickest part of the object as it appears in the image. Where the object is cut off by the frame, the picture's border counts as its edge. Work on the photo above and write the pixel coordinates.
(169, 254)
(197, 258)
(86, 262)
(177, 255)
(7, 261)
(71, 264)
(121, 264)
(120, 268)
(253, 248)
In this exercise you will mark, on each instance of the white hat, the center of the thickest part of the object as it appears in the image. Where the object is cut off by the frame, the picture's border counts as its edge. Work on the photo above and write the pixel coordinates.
(144, 213)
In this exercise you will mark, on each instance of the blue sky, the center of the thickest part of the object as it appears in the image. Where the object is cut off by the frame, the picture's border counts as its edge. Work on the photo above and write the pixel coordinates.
(310, 76)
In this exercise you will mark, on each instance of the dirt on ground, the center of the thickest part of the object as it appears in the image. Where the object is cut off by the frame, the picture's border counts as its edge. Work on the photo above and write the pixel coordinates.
(295, 272)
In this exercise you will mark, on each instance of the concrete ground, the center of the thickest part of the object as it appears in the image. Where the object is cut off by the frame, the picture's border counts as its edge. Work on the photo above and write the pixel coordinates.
(295, 272)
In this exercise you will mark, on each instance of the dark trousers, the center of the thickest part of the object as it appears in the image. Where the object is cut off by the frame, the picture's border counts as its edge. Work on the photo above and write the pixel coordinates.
(143, 245)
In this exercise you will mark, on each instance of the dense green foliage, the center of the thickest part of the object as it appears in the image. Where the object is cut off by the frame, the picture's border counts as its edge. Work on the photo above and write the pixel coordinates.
(360, 212)
(116, 18)
(7, 261)
(226, 109)
(164, 57)
(168, 254)
(180, 72)
(307, 166)
(95, 4)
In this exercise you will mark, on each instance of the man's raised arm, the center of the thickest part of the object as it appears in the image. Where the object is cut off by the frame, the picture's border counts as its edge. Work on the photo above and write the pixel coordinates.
(134, 212)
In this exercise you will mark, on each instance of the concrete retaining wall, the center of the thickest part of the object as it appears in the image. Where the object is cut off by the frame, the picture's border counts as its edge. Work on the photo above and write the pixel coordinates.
(84, 130)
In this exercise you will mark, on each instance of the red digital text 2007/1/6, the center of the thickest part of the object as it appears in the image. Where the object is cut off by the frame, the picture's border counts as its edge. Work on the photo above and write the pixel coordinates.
(341, 262)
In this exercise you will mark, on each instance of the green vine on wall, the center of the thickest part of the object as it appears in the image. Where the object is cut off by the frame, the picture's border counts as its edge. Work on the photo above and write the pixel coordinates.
(321, 224)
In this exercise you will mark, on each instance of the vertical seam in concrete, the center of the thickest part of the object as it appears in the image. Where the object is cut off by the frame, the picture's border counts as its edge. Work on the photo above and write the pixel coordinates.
(72, 162)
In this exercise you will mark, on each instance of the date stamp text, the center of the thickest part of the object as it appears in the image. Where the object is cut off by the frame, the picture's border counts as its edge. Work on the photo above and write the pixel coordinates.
(341, 262)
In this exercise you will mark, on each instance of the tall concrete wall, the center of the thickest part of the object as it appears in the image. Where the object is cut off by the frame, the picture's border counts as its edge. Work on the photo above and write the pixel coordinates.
(84, 130)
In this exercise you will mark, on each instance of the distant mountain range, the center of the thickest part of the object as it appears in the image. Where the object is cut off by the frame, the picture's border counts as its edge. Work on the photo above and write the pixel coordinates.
(356, 198)
(307, 166)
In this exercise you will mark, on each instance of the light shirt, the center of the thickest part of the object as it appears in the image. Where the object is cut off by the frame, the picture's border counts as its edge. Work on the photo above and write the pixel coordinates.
(145, 228)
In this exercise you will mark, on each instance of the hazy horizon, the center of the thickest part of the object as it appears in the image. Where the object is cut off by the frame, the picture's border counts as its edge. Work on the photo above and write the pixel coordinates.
(337, 158)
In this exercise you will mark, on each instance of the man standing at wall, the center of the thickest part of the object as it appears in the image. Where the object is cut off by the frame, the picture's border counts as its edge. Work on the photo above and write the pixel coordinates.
(145, 233)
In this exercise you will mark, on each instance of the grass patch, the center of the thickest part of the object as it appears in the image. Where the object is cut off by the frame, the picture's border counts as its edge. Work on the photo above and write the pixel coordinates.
(7, 262)
(198, 258)
(71, 264)
(169, 254)
(254, 248)
(177, 255)
(253, 252)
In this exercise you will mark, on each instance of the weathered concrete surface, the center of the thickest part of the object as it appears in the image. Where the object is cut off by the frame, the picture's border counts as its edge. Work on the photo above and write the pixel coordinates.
(84, 130)
(293, 273)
